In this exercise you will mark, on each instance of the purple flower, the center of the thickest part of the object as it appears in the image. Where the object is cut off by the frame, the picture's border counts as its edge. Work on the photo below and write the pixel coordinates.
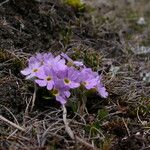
(37, 58)
(57, 63)
(31, 71)
(89, 78)
(69, 76)
(46, 77)
(102, 90)
(60, 92)
(41, 58)
(61, 96)
(53, 73)
(76, 63)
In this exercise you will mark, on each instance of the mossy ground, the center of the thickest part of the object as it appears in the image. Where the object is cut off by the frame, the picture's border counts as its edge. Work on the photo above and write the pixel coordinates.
(103, 36)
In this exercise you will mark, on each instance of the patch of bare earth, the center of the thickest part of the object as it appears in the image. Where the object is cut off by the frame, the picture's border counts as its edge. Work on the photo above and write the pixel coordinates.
(103, 36)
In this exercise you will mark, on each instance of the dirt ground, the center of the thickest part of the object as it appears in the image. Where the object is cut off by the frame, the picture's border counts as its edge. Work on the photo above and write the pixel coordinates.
(105, 35)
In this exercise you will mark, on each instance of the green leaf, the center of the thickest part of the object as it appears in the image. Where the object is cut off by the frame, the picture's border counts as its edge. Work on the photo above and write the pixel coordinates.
(47, 97)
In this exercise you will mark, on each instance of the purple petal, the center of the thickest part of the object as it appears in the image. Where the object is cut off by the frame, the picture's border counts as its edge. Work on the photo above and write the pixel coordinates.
(47, 57)
(59, 84)
(32, 75)
(39, 56)
(73, 74)
(91, 83)
(26, 71)
(67, 94)
(66, 57)
(74, 85)
(41, 83)
(47, 70)
(60, 99)
(62, 73)
(32, 60)
(61, 65)
(41, 74)
(57, 66)
(57, 58)
(37, 65)
(50, 85)
(102, 91)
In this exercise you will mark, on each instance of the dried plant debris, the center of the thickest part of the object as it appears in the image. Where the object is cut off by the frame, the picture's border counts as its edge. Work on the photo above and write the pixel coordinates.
(111, 37)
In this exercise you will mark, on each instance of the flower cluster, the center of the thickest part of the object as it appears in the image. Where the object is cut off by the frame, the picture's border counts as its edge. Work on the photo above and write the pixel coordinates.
(60, 74)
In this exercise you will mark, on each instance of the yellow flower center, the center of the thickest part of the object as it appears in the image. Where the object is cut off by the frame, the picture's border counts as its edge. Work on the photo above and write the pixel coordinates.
(55, 92)
(49, 78)
(35, 70)
(67, 81)
(85, 83)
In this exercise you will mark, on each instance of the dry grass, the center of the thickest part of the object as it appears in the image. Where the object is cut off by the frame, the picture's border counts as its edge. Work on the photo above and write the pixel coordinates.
(103, 38)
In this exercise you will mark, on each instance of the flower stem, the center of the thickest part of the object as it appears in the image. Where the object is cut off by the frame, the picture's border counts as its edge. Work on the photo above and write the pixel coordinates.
(71, 134)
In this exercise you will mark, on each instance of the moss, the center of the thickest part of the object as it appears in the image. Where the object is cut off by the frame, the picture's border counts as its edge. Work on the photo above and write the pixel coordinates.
(16, 66)
(90, 57)
(66, 35)
(77, 4)
(106, 143)
(4, 56)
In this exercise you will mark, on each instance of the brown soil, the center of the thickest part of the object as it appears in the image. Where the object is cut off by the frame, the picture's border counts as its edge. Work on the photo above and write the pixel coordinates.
(27, 27)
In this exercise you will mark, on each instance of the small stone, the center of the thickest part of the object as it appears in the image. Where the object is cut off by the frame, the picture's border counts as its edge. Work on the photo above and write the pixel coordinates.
(141, 21)
(138, 133)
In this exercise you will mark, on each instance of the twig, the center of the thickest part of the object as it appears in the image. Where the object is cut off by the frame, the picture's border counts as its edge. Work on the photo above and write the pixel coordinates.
(71, 134)
(137, 113)
(14, 132)
(68, 129)
(126, 126)
(4, 2)
(27, 108)
(11, 123)
(43, 138)
(16, 121)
